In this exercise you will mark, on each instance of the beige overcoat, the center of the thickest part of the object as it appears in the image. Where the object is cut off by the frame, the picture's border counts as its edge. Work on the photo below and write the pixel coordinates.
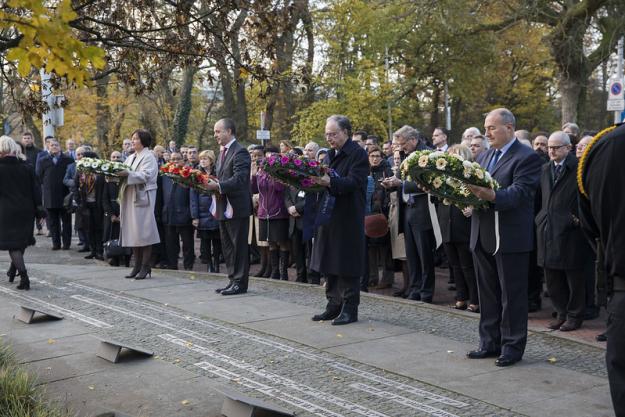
(138, 225)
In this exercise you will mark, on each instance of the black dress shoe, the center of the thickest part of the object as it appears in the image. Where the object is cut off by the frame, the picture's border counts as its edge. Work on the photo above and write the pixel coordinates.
(326, 315)
(90, 256)
(504, 360)
(65, 247)
(414, 296)
(345, 318)
(227, 287)
(56, 248)
(601, 337)
(481, 354)
(234, 290)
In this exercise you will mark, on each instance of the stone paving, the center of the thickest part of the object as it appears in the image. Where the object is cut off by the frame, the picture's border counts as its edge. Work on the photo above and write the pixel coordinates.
(402, 358)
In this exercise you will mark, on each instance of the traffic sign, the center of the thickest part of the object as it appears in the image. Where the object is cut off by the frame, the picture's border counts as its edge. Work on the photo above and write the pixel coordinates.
(616, 90)
(616, 104)
(263, 134)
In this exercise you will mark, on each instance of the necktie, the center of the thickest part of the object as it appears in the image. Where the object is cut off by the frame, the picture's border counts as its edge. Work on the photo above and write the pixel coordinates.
(493, 161)
(558, 173)
(223, 155)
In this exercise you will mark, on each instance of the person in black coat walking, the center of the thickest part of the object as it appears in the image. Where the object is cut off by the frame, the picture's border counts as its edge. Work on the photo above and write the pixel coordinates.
(339, 245)
(562, 247)
(20, 201)
(51, 171)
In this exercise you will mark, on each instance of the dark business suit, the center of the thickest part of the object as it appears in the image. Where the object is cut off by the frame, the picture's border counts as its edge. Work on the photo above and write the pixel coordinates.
(562, 247)
(416, 225)
(54, 191)
(502, 278)
(234, 187)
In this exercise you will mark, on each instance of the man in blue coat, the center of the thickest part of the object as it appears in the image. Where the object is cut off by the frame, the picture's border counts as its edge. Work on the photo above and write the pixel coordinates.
(339, 245)
(502, 238)
(177, 220)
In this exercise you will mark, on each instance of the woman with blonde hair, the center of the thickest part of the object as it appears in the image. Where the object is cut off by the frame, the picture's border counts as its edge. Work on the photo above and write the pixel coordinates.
(20, 203)
(203, 221)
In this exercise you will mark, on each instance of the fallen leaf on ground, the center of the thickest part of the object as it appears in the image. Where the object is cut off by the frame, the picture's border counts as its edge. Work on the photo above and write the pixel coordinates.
(339, 335)
(552, 360)
(185, 402)
(51, 341)
(91, 387)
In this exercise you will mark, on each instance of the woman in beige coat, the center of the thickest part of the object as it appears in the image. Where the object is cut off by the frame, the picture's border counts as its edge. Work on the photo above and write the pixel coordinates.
(138, 197)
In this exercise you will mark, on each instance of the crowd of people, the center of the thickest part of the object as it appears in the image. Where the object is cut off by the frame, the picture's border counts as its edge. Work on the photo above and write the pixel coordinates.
(368, 224)
(405, 230)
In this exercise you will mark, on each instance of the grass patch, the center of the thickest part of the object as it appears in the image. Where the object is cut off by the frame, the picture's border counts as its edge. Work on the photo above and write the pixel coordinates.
(19, 394)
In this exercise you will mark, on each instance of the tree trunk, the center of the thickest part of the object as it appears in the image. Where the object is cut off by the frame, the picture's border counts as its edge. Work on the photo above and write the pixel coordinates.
(103, 114)
(570, 89)
(181, 118)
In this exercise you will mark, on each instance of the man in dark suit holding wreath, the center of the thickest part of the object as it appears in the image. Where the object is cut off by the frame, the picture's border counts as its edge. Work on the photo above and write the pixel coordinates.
(502, 239)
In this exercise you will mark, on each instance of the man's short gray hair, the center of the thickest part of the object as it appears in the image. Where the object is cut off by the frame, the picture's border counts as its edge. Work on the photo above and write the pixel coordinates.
(482, 138)
(573, 126)
(558, 134)
(313, 145)
(342, 122)
(506, 116)
(471, 130)
(407, 132)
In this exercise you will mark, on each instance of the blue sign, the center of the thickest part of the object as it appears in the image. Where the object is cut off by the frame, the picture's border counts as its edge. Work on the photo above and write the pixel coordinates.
(616, 89)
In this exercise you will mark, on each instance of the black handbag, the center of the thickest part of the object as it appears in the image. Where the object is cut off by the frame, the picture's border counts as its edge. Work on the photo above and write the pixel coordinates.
(112, 247)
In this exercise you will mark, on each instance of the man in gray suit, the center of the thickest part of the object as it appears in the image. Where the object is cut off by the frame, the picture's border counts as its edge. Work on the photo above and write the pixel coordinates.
(502, 237)
(232, 205)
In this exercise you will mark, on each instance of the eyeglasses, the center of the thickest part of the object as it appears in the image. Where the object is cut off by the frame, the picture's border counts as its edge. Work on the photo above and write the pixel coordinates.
(555, 148)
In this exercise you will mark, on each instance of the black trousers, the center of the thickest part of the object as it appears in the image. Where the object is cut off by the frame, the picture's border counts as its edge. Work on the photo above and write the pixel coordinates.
(420, 246)
(298, 253)
(236, 250)
(314, 277)
(502, 290)
(94, 228)
(567, 289)
(173, 235)
(615, 352)
(342, 293)
(535, 280)
(461, 263)
(60, 225)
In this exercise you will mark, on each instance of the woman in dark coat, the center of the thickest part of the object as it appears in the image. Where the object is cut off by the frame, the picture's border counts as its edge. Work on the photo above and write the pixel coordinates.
(339, 245)
(455, 232)
(203, 221)
(20, 203)
(380, 248)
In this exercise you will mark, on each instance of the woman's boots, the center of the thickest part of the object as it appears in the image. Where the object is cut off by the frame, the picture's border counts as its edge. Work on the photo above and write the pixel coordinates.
(264, 263)
(11, 272)
(24, 281)
(284, 265)
(274, 258)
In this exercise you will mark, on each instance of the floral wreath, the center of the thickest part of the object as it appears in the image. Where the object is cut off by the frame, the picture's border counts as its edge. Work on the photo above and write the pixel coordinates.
(584, 159)
(101, 166)
(446, 176)
(295, 171)
(187, 177)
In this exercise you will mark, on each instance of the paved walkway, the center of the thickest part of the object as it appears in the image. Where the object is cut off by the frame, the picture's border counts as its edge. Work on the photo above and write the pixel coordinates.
(401, 359)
